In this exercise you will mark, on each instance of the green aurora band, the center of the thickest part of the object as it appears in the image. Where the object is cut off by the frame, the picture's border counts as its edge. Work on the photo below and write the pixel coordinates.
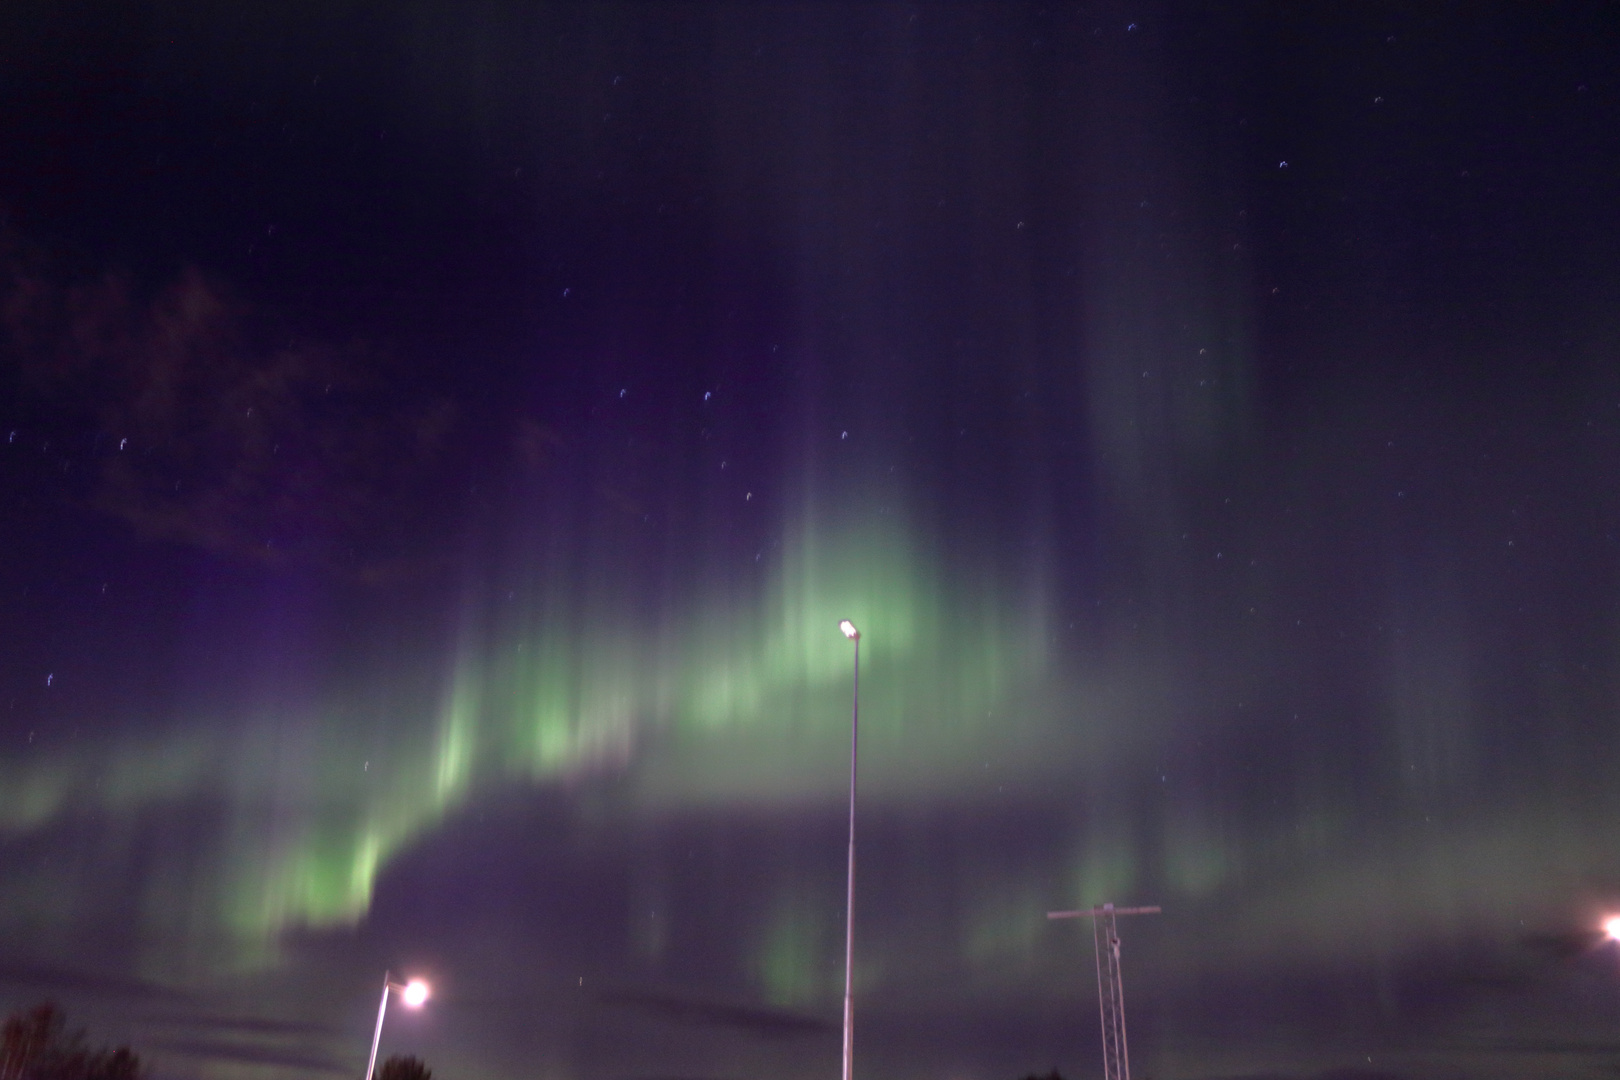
(748, 706)
(745, 704)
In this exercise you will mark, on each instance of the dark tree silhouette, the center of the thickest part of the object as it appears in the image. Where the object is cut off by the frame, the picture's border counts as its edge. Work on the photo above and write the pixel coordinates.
(35, 1044)
(400, 1067)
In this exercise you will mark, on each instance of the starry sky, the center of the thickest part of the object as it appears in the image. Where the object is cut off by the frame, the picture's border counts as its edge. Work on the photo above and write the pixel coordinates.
(438, 442)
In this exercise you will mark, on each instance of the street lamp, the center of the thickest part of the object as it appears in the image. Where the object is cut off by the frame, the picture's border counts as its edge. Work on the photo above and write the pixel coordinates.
(413, 993)
(854, 635)
(1611, 928)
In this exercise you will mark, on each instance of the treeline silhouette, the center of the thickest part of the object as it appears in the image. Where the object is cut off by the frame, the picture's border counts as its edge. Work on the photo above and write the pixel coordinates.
(35, 1044)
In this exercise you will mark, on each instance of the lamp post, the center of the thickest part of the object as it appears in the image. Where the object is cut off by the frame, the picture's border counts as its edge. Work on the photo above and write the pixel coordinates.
(849, 900)
(413, 993)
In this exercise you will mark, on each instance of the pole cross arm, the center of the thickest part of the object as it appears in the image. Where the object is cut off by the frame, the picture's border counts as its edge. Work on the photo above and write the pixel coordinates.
(1107, 909)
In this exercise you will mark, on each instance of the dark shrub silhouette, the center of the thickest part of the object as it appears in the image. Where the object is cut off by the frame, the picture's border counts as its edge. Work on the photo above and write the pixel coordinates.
(399, 1067)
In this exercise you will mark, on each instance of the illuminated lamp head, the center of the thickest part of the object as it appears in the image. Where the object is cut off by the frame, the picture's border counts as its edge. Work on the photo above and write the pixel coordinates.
(849, 630)
(415, 993)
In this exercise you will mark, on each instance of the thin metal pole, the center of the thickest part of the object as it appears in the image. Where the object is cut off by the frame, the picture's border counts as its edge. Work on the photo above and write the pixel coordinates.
(1097, 934)
(376, 1036)
(849, 899)
(1119, 990)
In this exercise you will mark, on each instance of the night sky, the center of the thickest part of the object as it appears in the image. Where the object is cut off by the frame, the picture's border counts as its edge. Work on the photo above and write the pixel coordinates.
(439, 440)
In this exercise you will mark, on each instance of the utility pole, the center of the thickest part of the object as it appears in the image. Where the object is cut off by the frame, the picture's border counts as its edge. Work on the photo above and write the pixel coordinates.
(1110, 987)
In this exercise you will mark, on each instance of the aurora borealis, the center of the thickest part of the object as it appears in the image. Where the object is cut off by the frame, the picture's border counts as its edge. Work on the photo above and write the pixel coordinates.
(438, 443)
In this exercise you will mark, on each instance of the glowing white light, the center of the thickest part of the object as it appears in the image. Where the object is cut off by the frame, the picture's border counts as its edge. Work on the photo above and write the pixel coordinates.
(849, 630)
(415, 992)
(1611, 927)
